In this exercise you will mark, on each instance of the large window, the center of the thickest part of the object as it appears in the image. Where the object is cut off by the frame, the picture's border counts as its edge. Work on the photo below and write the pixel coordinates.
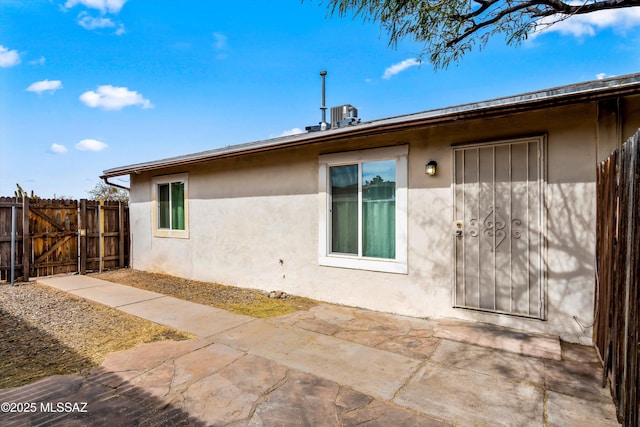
(363, 209)
(171, 206)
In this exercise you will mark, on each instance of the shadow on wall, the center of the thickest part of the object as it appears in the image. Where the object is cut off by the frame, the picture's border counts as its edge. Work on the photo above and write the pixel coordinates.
(571, 252)
(569, 265)
(287, 173)
(431, 250)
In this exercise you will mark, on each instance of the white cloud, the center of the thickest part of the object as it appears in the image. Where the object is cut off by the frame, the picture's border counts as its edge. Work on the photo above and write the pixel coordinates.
(58, 149)
(91, 145)
(620, 20)
(88, 22)
(294, 131)
(110, 97)
(399, 67)
(220, 41)
(45, 86)
(220, 45)
(104, 6)
(39, 61)
(8, 58)
(601, 76)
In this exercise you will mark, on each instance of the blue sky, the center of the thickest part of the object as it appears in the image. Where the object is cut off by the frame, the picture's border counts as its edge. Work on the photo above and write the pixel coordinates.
(87, 85)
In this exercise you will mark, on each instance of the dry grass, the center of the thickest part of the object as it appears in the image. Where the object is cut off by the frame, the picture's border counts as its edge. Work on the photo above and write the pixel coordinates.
(44, 331)
(249, 302)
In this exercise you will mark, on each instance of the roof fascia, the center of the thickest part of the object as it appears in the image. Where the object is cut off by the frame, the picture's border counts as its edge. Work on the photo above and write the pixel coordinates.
(560, 96)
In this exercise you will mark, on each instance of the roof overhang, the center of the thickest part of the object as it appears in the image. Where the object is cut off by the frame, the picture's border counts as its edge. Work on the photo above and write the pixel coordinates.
(558, 96)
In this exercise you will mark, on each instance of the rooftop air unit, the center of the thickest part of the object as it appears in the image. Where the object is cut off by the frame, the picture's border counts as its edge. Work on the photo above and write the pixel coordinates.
(344, 115)
(341, 116)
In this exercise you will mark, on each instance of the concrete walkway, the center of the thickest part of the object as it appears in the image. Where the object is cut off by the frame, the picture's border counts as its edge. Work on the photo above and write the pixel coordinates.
(330, 366)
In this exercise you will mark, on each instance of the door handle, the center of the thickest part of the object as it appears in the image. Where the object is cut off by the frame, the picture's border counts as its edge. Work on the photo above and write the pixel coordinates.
(458, 231)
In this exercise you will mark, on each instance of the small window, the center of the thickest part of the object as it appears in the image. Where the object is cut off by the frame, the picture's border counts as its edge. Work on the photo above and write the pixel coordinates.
(171, 206)
(170, 199)
(363, 209)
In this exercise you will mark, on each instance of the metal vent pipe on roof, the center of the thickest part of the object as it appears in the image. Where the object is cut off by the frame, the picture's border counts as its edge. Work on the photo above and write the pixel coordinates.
(323, 124)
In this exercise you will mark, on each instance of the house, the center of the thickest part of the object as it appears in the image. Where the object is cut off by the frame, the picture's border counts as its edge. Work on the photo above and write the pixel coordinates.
(502, 233)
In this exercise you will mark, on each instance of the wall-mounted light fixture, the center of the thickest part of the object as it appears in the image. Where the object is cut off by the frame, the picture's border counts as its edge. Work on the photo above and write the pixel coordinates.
(431, 168)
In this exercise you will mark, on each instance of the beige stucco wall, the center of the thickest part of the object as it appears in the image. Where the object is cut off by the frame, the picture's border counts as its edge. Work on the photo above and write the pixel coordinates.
(254, 223)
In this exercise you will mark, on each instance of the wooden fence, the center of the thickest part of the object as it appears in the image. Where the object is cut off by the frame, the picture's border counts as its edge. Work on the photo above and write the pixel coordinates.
(61, 236)
(617, 323)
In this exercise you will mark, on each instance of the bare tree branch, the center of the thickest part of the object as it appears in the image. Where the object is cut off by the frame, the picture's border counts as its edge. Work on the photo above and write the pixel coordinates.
(556, 6)
(488, 22)
(450, 28)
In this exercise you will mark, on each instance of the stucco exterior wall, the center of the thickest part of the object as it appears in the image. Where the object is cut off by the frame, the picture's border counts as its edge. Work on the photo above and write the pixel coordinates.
(253, 222)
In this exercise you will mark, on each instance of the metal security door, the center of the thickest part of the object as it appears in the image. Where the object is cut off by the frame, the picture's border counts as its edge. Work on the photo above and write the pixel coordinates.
(498, 227)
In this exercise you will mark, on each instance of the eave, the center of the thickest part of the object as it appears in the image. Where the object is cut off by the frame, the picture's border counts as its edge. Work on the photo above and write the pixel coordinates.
(554, 97)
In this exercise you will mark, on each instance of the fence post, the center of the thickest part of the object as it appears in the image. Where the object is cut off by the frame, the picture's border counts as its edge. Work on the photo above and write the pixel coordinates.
(26, 239)
(12, 262)
(625, 403)
(120, 235)
(100, 235)
(83, 236)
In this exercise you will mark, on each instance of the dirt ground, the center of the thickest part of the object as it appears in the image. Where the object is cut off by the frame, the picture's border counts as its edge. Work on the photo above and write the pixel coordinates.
(44, 331)
(250, 302)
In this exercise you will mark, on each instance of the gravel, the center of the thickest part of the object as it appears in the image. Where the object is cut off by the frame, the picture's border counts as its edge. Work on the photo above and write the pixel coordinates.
(44, 331)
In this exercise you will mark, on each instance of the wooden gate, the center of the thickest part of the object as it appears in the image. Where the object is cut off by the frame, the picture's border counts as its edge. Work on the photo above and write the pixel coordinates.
(53, 231)
(62, 236)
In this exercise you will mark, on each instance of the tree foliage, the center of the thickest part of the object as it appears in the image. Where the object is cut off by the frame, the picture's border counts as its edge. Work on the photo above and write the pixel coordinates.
(103, 191)
(448, 29)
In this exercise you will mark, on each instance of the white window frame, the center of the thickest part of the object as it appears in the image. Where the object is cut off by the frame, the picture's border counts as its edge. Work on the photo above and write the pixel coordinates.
(168, 179)
(326, 258)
